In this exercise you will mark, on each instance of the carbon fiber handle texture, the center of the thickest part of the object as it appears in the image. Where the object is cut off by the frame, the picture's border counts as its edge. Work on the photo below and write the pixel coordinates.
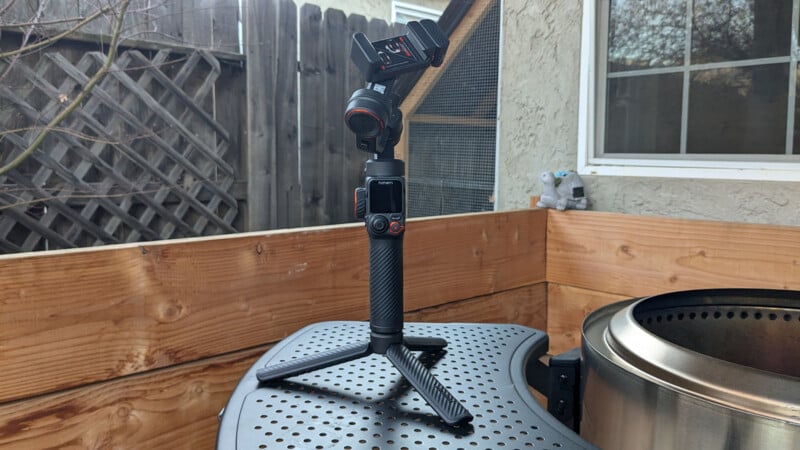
(386, 284)
(437, 396)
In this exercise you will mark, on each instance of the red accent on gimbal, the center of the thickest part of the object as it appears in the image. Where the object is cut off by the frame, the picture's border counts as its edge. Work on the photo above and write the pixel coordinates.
(367, 112)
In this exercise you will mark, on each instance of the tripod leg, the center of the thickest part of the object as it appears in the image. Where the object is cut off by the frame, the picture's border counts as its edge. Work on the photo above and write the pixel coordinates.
(310, 363)
(437, 396)
(425, 344)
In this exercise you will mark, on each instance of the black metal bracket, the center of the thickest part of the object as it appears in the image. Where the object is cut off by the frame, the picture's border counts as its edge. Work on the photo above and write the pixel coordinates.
(560, 382)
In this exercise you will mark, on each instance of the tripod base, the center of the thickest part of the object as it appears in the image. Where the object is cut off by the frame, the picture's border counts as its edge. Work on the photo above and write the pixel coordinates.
(437, 396)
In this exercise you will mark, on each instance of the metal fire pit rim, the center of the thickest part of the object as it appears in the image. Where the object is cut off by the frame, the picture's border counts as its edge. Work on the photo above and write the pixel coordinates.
(628, 345)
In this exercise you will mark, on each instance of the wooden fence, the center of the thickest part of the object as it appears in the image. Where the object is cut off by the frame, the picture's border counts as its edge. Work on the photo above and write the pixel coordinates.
(185, 137)
(308, 182)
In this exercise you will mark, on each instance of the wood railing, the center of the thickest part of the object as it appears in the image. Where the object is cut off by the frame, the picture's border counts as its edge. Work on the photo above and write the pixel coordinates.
(139, 346)
(598, 258)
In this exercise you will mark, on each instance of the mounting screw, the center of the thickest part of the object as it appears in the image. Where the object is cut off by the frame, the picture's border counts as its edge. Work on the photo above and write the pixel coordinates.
(561, 408)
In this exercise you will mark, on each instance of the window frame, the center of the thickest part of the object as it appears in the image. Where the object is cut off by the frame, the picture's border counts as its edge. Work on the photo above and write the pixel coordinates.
(591, 126)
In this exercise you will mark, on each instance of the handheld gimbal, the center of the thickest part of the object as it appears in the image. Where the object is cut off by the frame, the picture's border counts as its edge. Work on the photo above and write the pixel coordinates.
(372, 114)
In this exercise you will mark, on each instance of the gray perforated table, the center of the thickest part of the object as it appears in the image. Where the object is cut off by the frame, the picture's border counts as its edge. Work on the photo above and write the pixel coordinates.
(367, 404)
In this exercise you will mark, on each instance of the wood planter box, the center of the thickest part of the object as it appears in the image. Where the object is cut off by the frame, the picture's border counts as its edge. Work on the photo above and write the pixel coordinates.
(139, 346)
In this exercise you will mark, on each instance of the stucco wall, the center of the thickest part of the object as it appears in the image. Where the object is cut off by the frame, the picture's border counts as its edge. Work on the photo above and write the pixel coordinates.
(539, 128)
(371, 9)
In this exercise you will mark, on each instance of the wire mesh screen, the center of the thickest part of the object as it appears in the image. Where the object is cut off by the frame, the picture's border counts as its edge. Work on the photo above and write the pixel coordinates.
(452, 134)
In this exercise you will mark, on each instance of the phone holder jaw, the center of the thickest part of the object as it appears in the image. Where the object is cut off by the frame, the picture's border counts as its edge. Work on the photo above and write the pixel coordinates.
(373, 115)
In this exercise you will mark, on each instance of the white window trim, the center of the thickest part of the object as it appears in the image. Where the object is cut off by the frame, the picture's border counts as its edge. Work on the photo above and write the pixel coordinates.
(417, 12)
(589, 164)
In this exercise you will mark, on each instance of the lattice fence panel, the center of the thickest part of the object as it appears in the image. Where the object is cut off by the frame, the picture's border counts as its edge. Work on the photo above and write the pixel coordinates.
(142, 157)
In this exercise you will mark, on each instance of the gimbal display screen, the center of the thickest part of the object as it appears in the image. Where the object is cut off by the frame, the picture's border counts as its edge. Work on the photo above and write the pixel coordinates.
(385, 196)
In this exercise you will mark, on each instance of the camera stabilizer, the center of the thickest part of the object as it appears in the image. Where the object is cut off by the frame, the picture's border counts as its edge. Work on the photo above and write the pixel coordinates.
(373, 115)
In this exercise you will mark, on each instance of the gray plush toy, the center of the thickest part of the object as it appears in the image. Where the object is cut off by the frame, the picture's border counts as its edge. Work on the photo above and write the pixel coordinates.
(561, 191)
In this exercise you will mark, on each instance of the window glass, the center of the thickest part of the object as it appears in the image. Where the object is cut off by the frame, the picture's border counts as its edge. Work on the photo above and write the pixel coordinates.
(648, 34)
(738, 110)
(644, 114)
(732, 30)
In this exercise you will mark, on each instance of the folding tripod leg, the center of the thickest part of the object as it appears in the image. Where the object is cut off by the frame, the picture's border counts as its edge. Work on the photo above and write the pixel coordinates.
(310, 363)
(437, 396)
(424, 344)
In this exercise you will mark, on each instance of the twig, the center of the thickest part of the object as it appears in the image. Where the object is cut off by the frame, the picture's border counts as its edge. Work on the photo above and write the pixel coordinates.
(79, 196)
(40, 23)
(112, 51)
(50, 40)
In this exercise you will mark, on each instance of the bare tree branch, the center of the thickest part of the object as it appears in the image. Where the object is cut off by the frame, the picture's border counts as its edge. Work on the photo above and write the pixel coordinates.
(50, 40)
(87, 88)
(41, 23)
(79, 135)
(74, 196)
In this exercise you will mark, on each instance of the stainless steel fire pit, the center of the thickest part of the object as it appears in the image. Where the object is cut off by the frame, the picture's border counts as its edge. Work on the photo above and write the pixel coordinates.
(709, 369)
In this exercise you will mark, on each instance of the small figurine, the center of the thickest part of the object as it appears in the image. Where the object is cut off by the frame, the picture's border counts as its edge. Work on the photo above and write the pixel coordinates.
(564, 190)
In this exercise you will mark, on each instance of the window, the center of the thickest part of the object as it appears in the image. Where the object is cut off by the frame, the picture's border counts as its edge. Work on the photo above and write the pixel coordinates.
(694, 88)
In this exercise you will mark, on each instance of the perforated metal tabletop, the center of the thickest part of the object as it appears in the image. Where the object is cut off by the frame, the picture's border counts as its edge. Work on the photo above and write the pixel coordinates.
(366, 403)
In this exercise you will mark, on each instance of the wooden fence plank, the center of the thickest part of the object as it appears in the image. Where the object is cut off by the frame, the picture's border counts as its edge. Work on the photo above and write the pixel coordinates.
(524, 306)
(197, 23)
(261, 50)
(517, 235)
(97, 314)
(230, 111)
(57, 11)
(288, 191)
(167, 409)
(105, 23)
(225, 29)
(312, 116)
(567, 306)
(165, 22)
(136, 23)
(16, 12)
(336, 57)
(637, 255)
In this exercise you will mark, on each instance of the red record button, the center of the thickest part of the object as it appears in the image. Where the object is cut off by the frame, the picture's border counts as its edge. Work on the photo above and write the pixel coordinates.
(395, 228)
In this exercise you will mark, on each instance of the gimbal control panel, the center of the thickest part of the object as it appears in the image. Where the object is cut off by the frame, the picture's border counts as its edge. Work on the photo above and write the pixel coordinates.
(381, 204)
